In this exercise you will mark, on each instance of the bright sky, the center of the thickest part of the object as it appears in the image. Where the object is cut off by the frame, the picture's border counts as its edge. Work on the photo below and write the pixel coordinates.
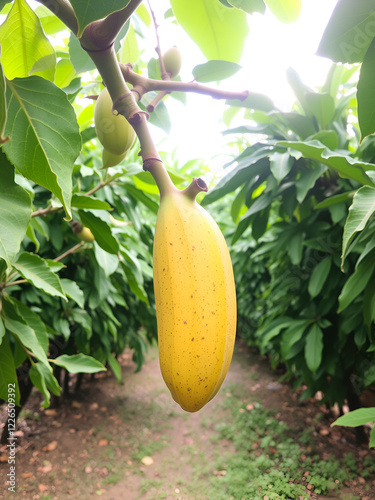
(271, 48)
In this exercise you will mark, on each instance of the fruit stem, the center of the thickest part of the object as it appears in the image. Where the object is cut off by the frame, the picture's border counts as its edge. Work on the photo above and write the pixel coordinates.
(196, 186)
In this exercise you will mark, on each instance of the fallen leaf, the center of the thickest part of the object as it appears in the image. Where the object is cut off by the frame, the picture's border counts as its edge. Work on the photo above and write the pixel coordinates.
(88, 469)
(42, 487)
(93, 406)
(147, 461)
(50, 412)
(103, 442)
(26, 474)
(76, 404)
(249, 407)
(50, 446)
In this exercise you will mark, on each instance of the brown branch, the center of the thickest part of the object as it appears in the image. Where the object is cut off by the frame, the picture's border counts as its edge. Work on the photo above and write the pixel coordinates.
(17, 282)
(71, 250)
(144, 85)
(45, 211)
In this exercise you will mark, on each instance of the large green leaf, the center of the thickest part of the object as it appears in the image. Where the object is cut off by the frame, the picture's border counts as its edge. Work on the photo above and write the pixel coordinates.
(318, 276)
(212, 71)
(360, 211)
(101, 231)
(33, 320)
(26, 49)
(43, 380)
(248, 167)
(72, 290)
(15, 212)
(365, 93)
(357, 281)
(347, 167)
(45, 140)
(314, 347)
(134, 276)
(51, 24)
(15, 324)
(287, 11)
(219, 32)
(36, 270)
(8, 375)
(249, 6)
(3, 104)
(79, 363)
(88, 202)
(349, 31)
(254, 100)
(307, 180)
(92, 10)
(322, 107)
(354, 418)
(260, 203)
(280, 165)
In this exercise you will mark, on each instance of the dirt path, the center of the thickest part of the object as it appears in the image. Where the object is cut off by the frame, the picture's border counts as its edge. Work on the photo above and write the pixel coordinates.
(132, 442)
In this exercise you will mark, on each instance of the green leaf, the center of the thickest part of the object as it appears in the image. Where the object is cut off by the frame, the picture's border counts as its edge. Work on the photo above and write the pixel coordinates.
(354, 418)
(134, 275)
(33, 320)
(43, 380)
(80, 59)
(34, 269)
(254, 100)
(292, 335)
(2, 330)
(92, 10)
(25, 48)
(3, 104)
(247, 168)
(15, 212)
(107, 261)
(219, 32)
(259, 204)
(101, 231)
(357, 282)
(273, 329)
(8, 375)
(249, 6)
(286, 11)
(51, 24)
(129, 52)
(214, 71)
(295, 248)
(347, 167)
(318, 276)
(160, 116)
(24, 333)
(45, 140)
(365, 93)
(307, 180)
(280, 165)
(349, 31)
(115, 367)
(79, 363)
(314, 347)
(360, 211)
(87, 202)
(139, 195)
(72, 290)
(322, 107)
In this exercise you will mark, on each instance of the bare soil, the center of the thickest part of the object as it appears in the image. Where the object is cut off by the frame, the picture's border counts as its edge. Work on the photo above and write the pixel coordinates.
(132, 442)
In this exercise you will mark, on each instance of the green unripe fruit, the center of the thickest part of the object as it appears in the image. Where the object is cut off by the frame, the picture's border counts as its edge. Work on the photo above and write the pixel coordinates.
(172, 61)
(111, 160)
(114, 132)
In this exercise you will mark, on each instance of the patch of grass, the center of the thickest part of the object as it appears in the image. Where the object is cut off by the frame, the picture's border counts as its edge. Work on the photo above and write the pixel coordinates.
(270, 459)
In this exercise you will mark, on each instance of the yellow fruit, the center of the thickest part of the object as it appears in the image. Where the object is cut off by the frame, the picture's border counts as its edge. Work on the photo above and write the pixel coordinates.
(114, 132)
(172, 61)
(86, 235)
(83, 233)
(195, 300)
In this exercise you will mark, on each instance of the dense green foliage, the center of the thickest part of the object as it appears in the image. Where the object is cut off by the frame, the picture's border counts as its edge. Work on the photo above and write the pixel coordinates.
(301, 191)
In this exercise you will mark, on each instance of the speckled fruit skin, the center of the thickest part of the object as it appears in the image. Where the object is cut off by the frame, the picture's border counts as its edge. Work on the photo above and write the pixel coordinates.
(195, 301)
(114, 132)
(172, 61)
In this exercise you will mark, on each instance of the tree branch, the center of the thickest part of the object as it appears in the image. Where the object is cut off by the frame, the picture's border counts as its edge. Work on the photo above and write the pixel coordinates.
(99, 35)
(143, 85)
(68, 252)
